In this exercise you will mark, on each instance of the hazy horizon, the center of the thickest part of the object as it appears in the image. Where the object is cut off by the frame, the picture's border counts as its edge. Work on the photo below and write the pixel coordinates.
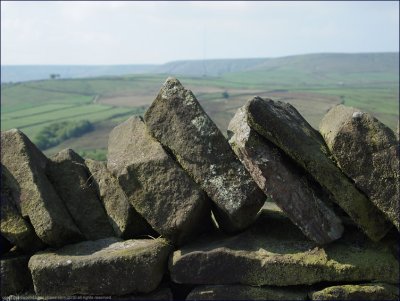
(154, 33)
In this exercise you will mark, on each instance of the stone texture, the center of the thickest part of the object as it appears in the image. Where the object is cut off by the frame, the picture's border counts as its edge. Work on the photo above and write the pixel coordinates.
(177, 120)
(13, 226)
(245, 292)
(14, 274)
(369, 291)
(105, 267)
(70, 178)
(285, 183)
(366, 151)
(157, 187)
(125, 220)
(275, 252)
(36, 198)
(162, 293)
(283, 125)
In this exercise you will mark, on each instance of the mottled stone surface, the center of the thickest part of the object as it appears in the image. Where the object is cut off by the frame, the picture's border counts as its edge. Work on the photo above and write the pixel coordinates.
(245, 292)
(366, 151)
(283, 125)
(125, 220)
(275, 252)
(369, 291)
(13, 226)
(14, 274)
(36, 198)
(177, 120)
(70, 177)
(158, 188)
(106, 267)
(279, 178)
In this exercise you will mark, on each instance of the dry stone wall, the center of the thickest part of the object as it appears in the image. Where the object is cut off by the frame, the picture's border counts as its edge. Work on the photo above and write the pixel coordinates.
(179, 212)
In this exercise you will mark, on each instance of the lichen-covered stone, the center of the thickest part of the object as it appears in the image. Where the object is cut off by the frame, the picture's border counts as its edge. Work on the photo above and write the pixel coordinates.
(275, 252)
(157, 187)
(283, 125)
(245, 292)
(70, 177)
(285, 183)
(368, 291)
(105, 267)
(366, 151)
(177, 120)
(14, 274)
(36, 198)
(13, 226)
(125, 220)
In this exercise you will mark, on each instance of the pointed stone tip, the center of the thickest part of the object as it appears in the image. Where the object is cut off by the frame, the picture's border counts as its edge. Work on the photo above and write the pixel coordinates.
(172, 82)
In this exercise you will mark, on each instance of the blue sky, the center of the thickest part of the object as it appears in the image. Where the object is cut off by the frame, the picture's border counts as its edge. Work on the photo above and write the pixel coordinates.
(109, 33)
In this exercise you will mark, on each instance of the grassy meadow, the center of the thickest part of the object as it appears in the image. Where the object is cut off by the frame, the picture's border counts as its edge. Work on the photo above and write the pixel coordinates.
(34, 106)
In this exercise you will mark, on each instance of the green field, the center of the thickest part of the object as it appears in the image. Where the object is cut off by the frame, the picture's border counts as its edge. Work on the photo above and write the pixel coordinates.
(311, 84)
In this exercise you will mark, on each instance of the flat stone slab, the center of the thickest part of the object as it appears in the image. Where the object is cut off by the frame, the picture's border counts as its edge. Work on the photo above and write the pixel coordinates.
(105, 267)
(13, 226)
(125, 220)
(70, 177)
(368, 291)
(177, 120)
(279, 178)
(283, 125)
(35, 197)
(245, 292)
(275, 252)
(365, 150)
(157, 187)
(14, 274)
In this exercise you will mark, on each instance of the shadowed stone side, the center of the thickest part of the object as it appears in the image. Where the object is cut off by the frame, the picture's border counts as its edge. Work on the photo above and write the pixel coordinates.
(70, 177)
(157, 187)
(177, 120)
(366, 151)
(283, 125)
(280, 179)
(274, 252)
(36, 198)
(369, 291)
(14, 274)
(103, 267)
(125, 220)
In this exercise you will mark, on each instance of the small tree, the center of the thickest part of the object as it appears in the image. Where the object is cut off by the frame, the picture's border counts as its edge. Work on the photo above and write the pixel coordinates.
(225, 94)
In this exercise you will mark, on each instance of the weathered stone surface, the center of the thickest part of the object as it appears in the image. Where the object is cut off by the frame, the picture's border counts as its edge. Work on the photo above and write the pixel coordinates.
(177, 120)
(365, 149)
(70, 178)
(107, 267)
(13, 226)
(283, 125)
(162, 293)
(274, 252)
(157, 187)
(284, 182)
(245, 292)
(125, 220)
(14, 274)
(36, 198)
(369, 291)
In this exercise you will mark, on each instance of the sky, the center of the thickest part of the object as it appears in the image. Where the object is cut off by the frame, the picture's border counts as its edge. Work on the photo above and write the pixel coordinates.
(112, 32)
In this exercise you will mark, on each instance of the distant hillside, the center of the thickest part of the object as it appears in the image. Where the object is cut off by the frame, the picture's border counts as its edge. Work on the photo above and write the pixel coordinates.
(325, 63)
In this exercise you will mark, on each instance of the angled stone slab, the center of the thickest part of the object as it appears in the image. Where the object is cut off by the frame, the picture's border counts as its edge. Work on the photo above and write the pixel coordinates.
(274, 252)
(157, 187)
(105, 267)
(70, 178)
(125, 220)
(14, 274)
(368, 291)
(245, 292)
(36, 198)
(177, 120)
(279, 178)
(283, 125)
(366, 151)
